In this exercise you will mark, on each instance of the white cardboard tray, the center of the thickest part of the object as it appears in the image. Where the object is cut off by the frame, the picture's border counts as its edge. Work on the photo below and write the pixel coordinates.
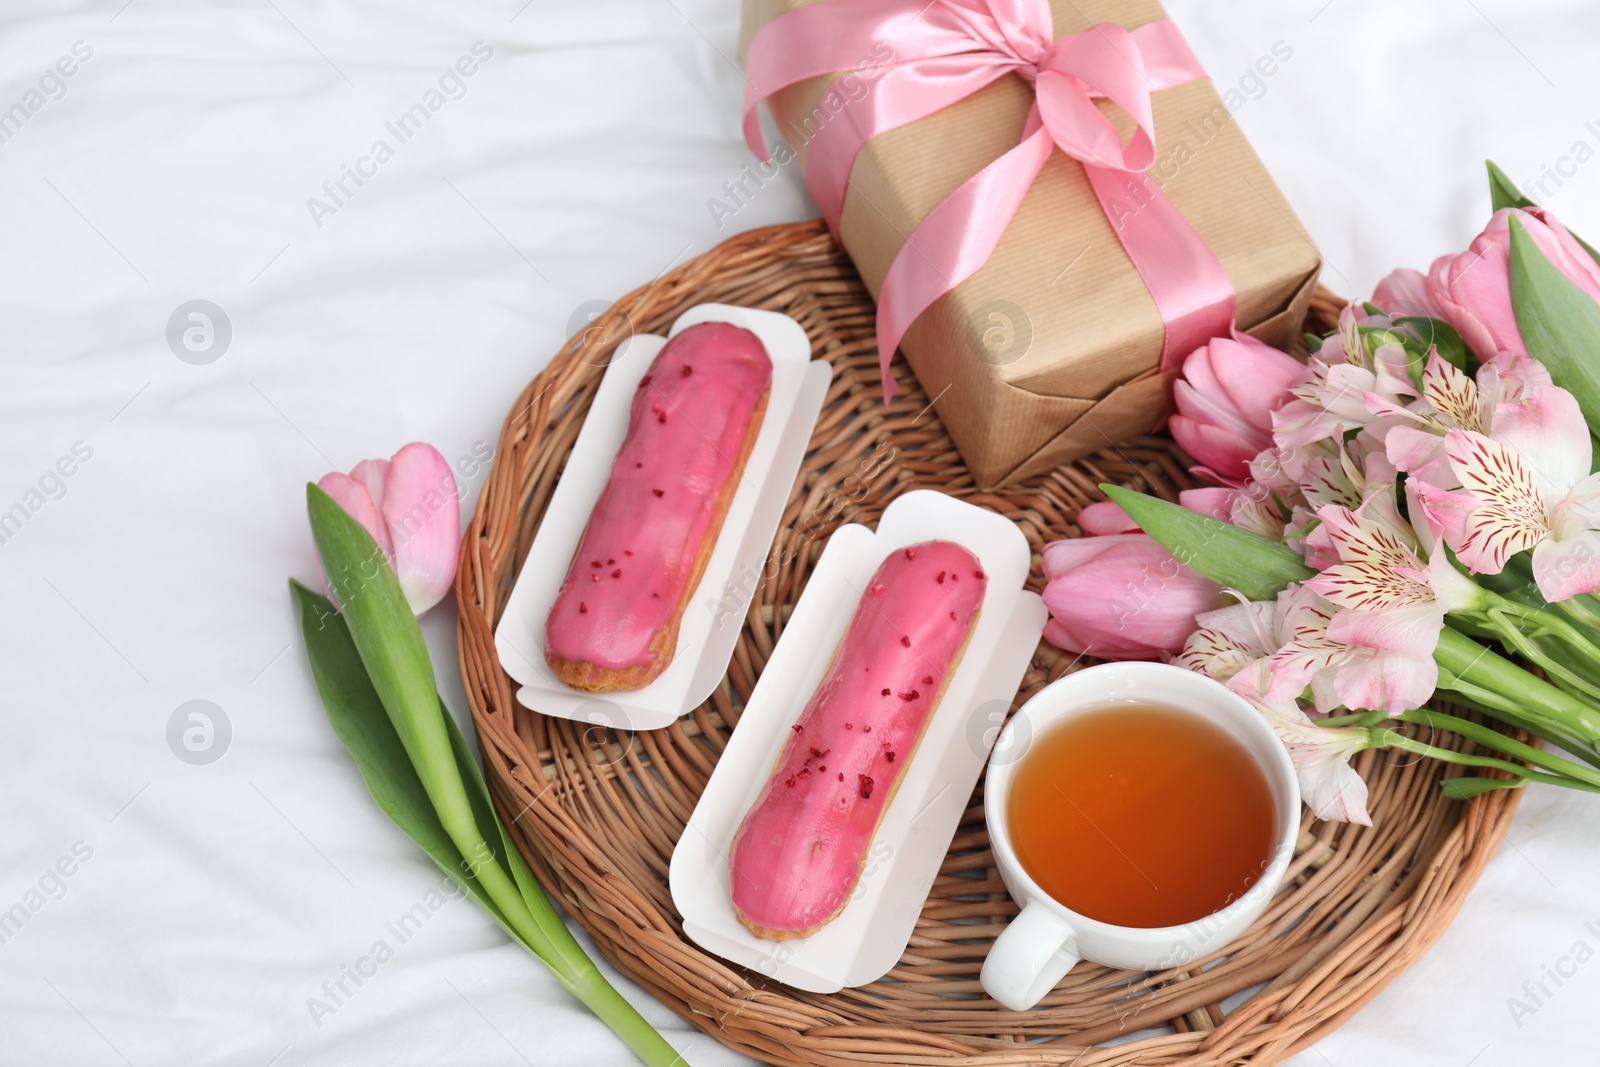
(711, 624)
(868, 936)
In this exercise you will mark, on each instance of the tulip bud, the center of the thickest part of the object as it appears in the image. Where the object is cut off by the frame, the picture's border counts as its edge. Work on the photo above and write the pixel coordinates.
(1473, 290)
(410, 505)
(1122, 596)
(1225, 399)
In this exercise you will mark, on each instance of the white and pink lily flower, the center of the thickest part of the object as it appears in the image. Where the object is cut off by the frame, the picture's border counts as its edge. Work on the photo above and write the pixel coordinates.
(1231, 639)
(1308, 656)
(1321, 754)
(410, 505)
(1342, 377)
(1393, 604)
(1413, 436)
(1525, 486)
(1289, 633)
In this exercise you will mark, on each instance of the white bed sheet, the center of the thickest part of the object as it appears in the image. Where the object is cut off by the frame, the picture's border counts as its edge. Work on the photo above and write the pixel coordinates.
(208, 904)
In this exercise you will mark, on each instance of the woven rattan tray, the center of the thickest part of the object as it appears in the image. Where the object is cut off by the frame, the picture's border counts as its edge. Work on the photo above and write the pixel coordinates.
(597, 812)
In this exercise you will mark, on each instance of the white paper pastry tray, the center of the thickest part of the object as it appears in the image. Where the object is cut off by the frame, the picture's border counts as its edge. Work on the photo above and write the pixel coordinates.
(711, 624)
(869, 935)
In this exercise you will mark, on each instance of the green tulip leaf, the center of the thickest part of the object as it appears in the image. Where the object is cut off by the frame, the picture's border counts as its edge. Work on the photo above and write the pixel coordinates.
(372, 669)
(494, 829)
(1257, 567)
(1559, 322)
(1503, 192)
(358, 719)
(1467, 788)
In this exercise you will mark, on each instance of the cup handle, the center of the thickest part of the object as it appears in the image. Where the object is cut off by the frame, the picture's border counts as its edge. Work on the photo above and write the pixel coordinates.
(1029, 957)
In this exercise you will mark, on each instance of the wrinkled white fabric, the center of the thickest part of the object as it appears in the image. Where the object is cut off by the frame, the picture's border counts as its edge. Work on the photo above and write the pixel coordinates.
(179, 912)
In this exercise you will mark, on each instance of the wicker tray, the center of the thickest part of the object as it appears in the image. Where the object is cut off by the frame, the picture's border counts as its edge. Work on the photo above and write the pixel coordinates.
(597, 812)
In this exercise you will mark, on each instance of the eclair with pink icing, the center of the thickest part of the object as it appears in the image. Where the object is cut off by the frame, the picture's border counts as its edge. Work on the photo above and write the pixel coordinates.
(798, 855)
(694, 418)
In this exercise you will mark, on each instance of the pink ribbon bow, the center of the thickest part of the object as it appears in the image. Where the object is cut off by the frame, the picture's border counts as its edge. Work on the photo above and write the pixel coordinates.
(943, 51)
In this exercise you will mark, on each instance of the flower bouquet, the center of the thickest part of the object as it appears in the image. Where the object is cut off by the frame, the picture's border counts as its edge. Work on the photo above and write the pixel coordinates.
(1408, 512)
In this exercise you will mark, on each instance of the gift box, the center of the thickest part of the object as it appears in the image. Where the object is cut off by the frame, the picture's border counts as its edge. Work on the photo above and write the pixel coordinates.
(1053, 348)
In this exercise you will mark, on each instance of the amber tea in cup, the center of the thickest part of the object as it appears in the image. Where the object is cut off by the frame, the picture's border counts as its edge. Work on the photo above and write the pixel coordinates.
(1141, 815)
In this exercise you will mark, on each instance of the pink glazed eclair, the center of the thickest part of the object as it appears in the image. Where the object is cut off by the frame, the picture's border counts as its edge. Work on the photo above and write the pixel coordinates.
(799, 853)
(694, 419)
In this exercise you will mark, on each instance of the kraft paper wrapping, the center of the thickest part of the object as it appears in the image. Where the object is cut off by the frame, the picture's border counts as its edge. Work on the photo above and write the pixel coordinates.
(1051, 350)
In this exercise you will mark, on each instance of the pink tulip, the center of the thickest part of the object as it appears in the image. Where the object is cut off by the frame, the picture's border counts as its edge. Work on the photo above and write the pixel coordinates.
(409, 504)
(1226, 397)
(1404, 292)
(1122, 596)
(1106, 517)
(1473, 290)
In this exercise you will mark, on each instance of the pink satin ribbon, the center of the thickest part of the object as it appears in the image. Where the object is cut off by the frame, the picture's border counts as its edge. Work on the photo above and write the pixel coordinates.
(926, 56)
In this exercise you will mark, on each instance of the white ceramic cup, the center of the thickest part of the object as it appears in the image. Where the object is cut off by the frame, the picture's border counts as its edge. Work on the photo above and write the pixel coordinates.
(1043, 943)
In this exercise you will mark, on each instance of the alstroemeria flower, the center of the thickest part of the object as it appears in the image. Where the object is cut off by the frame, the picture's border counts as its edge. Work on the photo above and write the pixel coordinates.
(1321, 754)
(1394, 606)
(1351, 475)
(1527, 486)
(1307, 656)
(1413, 436)
(1289, 635)
(1231, 639)
(1342, 375)
(1121, 596)
(410, 505)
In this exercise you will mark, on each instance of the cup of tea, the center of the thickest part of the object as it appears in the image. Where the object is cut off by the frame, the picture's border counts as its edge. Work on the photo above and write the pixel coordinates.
(1141, 816)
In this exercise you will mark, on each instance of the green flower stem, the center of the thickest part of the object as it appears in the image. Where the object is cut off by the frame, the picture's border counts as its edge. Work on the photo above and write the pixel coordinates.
(1543, 620)
(1491, 738)
(1358, 718)
(1581, 609)
(1501, 687)
(1499, 616)
(1385, 738)
(1509, 716)
(611, 1008)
